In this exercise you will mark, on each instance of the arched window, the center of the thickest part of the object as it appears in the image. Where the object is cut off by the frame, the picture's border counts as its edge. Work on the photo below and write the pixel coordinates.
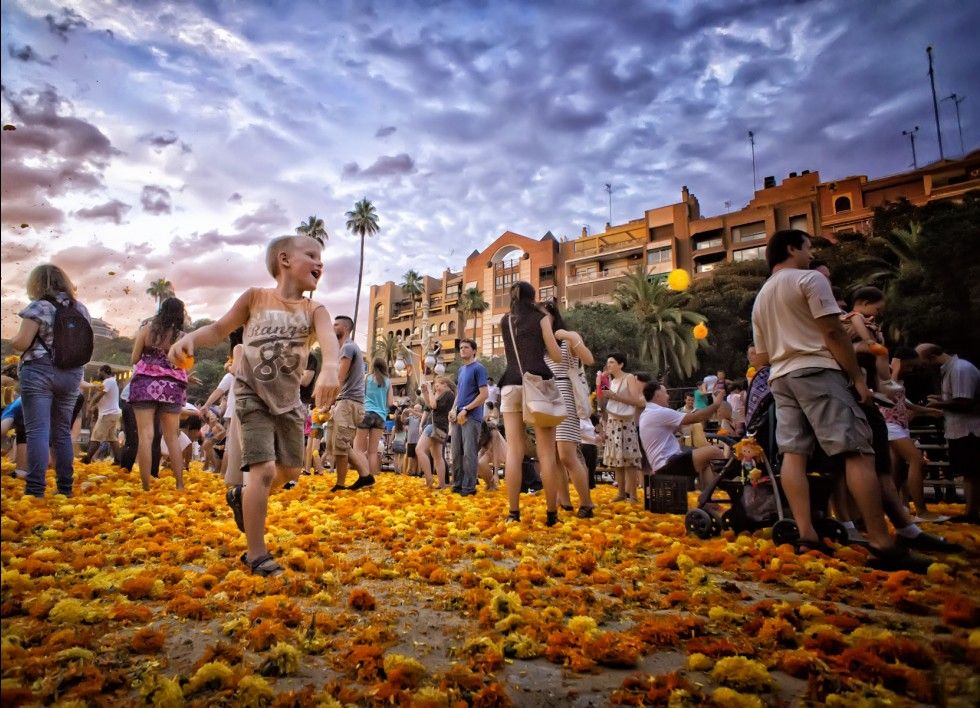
(433, 329)
(442, 329)
(842, 204)
(452, 328)
(398, 334)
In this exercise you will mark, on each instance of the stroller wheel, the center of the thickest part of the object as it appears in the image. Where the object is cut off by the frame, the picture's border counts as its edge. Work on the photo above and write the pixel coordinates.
(700, 523)
(728, 521)
(785, 531)
(834, 530)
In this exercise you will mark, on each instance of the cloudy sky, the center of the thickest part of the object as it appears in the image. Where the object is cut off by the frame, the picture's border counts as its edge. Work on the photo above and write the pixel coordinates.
(173, 139)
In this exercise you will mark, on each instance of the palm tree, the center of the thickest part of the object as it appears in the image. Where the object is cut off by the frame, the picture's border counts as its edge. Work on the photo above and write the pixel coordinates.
(414, 285)
(314, 228)
(664, 320)
(473, 304)
(903, 246)
(363, 221)
(387, 348)
(160, 289)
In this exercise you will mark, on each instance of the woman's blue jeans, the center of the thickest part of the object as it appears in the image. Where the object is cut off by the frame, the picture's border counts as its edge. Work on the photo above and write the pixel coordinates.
(48, 395)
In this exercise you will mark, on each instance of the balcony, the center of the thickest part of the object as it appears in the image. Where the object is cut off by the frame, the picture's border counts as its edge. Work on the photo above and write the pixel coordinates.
(599, 275)
(601, 245)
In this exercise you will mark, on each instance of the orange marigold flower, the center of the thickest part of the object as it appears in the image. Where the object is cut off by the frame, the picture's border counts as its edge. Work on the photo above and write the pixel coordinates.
(361, 600)
(147, 641)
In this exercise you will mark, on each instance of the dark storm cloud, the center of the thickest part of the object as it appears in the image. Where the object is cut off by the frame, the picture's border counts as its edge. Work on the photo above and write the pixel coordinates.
(50, 154)
(163, 140)
(113, 211)
(67, 22)
(384, 166)
(26, 53)
(385, 131)
(235, 198)
(155, 200)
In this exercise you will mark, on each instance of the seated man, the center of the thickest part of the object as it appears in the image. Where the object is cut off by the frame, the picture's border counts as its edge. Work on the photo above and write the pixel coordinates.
(658, 426)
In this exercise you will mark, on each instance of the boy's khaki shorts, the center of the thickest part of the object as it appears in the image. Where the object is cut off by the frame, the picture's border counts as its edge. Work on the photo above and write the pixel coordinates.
(267, 437)
(347, 415)
(107, 428)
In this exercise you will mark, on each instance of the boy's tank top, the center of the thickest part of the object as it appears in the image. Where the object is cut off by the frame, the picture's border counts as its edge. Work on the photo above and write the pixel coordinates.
(275, 344)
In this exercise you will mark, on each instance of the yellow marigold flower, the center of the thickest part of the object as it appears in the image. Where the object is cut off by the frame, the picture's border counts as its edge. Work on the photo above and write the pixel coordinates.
(806, 587)
(974, 639)
(509, 623)
(583, 624)
(504, 603)
(521, 646)
(410, 668)
(727, 698)
(699, 662)
(552, 614)
(938, 572)
(809, 611)
(720, 614)
(254, 692)
(283, 660)
(74, 654)
(236, 625)
(685, 563)
(211, 675)
(15, 581)
(429, 697)
(72, 611)
(161, 692)
(742, 672)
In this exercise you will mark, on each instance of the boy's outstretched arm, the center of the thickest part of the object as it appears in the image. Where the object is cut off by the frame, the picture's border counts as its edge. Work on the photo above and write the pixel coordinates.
(327, 383)
(212, 334)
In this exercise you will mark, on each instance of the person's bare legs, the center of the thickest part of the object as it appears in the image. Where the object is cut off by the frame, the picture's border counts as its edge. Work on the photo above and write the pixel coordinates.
(863, 483)
(514, 464)
(359, 453)
(571, 460)
(144, 452)
(797, 490)
(422, 455)
(439, 460)
(374, 457)
(905, 449)
(170, 424)
(633, 480)
(548, 459)
(702, 459)
(262, 478)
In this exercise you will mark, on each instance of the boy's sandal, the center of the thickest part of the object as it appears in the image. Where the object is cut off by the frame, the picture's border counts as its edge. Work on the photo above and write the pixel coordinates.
(244, 559)
(897, 558)
(234, 498)
(805, 546)
(265, 566)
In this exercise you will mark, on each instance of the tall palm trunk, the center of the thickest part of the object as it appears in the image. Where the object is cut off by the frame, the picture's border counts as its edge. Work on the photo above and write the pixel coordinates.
(360, 276)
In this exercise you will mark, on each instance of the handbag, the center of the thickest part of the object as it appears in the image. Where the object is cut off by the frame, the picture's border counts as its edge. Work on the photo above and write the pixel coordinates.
(580, 388)
(544, 406)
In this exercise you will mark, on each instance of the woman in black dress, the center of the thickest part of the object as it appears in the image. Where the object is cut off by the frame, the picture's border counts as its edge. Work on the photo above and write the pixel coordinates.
(532, 337)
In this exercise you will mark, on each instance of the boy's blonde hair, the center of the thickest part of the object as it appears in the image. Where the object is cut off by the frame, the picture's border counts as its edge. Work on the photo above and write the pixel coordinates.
(283, 244)
(47, 280)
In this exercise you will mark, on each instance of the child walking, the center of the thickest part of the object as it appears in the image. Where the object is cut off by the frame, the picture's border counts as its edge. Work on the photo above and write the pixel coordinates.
(279, 326)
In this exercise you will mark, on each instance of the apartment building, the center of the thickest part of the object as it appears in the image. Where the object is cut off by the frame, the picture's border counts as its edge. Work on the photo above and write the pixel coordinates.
(588, 268)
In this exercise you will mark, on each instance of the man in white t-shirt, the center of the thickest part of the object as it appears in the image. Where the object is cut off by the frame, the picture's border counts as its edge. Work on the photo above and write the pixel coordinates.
(658, 427)
(796, 326)
(106, 429)
(960, 404)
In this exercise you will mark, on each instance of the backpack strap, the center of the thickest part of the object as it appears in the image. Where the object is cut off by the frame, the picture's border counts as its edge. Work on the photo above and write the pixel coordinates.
(37, 335)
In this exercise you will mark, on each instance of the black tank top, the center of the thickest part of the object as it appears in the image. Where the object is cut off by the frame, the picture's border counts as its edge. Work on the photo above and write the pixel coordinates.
(530, 344)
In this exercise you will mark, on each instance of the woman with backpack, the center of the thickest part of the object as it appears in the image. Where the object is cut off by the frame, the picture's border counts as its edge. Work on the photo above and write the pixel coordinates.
(157, 385)
(55, 337)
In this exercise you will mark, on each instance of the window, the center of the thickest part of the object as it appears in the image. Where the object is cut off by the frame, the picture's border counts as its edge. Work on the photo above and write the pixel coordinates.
(547, 294)
(662, 233)
(749, 232)
(547, 273)
(842, 204)
(452, 328)
(659, 255)
(707, 243)
(705, 267)
(798, 222)
(498, 338)
(442, 329)
(749, 254)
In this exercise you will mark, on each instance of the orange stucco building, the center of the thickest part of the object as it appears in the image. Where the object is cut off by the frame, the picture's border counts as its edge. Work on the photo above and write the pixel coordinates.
(588, 268)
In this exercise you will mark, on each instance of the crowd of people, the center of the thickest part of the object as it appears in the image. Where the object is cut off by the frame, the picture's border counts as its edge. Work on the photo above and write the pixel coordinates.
(281, 412)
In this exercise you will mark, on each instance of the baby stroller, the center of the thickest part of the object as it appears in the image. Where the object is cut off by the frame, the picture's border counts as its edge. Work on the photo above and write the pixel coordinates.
(749, 483)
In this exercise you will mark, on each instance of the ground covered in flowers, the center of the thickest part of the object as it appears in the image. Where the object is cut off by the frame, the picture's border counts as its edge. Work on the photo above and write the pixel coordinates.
(399, 595)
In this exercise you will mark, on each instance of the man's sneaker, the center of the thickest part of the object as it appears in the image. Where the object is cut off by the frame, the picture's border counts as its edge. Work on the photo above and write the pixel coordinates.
(337, 488)
(928, 542)
(234, 498)
(291, 484)
(363, 482)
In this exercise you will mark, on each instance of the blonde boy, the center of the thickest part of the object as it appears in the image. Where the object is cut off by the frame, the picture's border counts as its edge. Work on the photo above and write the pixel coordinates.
(279, 326)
